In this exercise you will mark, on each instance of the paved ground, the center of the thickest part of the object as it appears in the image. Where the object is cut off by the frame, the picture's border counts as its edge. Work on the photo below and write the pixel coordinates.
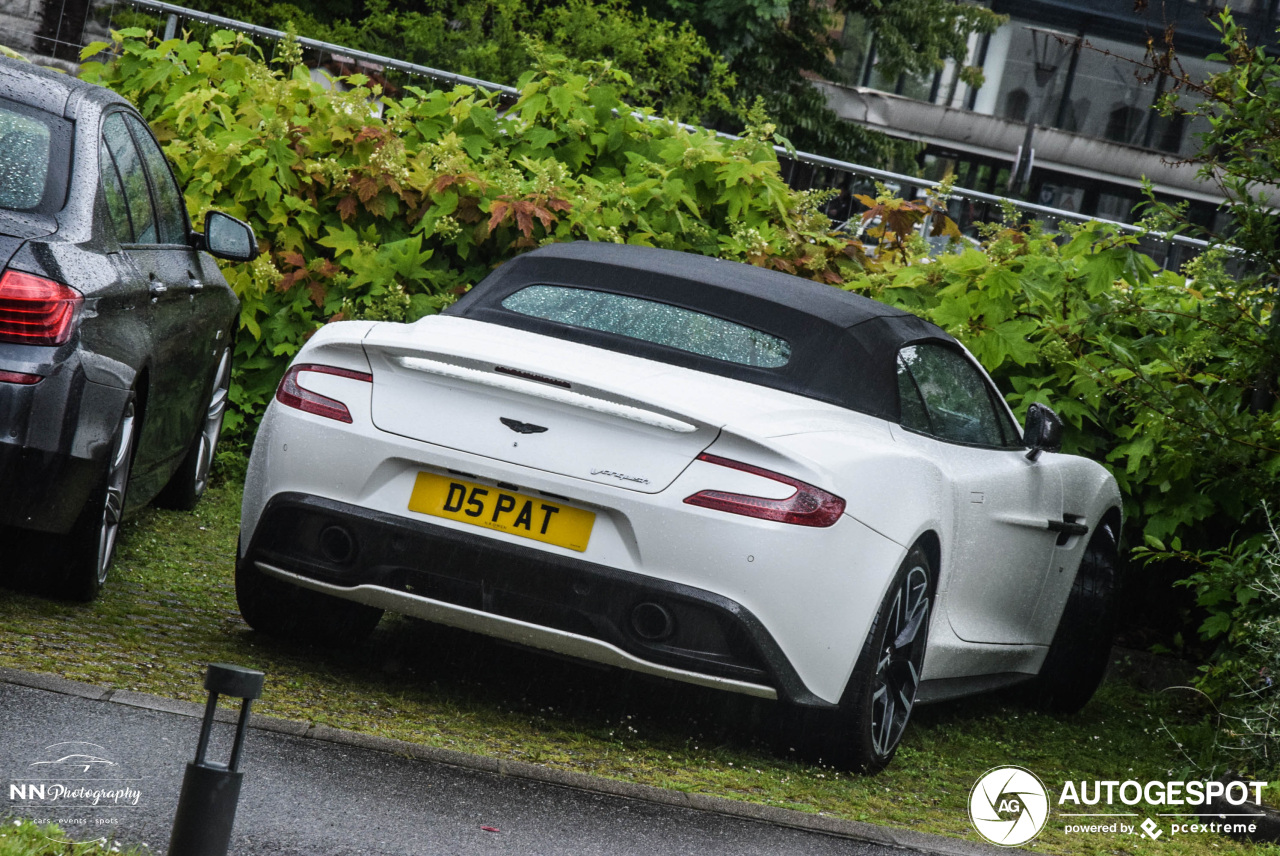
(321, 792)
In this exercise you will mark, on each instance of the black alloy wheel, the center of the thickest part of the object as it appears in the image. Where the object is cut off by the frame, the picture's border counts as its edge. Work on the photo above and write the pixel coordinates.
(1081, 647)
(91, 543)
(191, 479)
(901, 657)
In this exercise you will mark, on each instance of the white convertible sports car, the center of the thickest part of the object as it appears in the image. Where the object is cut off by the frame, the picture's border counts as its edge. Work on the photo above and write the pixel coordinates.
(695, 469)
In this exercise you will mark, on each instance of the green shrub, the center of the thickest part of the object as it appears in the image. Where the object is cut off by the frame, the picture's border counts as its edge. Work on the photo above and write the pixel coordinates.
(1238, 587)
(1153, 371)
(374, 206)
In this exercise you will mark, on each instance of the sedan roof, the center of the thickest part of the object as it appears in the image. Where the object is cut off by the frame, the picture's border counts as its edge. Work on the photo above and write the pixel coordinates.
(49, 90)
(844, 346)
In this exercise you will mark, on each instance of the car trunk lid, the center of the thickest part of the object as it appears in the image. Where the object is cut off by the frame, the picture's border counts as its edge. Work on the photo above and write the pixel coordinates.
(538, 402)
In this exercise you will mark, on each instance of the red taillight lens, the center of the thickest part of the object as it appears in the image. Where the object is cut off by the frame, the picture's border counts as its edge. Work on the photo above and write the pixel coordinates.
(293, 394)
(35, 310)
(808, 506)
(19, 377)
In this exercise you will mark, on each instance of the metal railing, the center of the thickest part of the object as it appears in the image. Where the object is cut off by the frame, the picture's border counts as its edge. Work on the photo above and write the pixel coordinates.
(1169, 251)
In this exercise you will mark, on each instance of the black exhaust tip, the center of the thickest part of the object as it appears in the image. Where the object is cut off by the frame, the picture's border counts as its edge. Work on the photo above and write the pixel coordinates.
(337, 545)
(652, 621)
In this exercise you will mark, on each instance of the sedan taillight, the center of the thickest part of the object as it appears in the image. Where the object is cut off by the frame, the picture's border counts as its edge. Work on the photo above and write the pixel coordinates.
(35, 310)
(20, 378)
(808, 506)
(294, 394)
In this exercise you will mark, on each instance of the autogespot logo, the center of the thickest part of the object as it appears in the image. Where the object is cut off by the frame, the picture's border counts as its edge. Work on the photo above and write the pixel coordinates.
(1009, 806)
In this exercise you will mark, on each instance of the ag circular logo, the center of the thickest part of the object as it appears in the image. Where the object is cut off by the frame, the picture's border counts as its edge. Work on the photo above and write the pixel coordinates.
(1009, 806)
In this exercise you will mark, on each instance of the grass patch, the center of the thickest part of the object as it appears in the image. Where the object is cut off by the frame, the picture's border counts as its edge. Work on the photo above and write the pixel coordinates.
(27, 838)
(169, 609)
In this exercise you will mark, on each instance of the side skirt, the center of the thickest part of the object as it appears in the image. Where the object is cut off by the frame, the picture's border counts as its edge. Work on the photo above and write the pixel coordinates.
(946, 689)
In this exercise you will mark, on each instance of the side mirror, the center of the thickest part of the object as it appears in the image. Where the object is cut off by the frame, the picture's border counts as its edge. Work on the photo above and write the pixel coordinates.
(228, 238)
(1043, 432)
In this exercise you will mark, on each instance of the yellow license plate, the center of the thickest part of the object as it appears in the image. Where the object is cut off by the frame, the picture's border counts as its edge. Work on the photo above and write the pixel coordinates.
(506, 511)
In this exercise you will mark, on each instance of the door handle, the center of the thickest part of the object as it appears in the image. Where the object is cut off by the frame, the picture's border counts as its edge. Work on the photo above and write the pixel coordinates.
(1068, 527)
(157, 288)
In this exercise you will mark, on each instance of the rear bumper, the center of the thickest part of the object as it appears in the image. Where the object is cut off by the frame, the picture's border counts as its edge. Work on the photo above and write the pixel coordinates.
(519, 593)
(54, 440)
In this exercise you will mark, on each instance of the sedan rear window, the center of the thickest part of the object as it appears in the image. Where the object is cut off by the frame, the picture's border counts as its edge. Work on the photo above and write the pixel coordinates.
(33, 158)
(652, 321)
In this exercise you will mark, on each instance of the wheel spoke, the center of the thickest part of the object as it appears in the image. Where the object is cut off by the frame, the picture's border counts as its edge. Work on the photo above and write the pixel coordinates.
(882, 720)
(915, 590)
(217, 405)
(113, 508)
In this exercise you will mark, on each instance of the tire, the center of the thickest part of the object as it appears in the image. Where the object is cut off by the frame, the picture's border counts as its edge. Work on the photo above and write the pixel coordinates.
(864, 732)
(286, 611)
(88, 549)
(190, 480)
(1081, 646)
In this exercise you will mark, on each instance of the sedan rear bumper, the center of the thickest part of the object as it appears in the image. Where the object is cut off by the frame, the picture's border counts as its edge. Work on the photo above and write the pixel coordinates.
(54, 439)
(521, 594)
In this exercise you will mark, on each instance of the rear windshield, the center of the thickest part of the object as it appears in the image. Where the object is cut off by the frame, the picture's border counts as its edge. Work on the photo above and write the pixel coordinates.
(652, 321)
(34, 153)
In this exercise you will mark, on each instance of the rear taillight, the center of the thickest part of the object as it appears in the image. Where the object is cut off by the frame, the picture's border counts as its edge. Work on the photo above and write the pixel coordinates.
(808, 506)
(35, 310)
(19, 377)
(294, 394)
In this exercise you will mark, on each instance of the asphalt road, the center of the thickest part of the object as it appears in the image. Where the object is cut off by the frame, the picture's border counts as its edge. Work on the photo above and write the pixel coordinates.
(318, 793)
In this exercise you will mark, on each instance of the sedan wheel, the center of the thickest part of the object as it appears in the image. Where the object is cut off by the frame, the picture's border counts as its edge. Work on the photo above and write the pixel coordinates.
(92, 542)
(191, 479)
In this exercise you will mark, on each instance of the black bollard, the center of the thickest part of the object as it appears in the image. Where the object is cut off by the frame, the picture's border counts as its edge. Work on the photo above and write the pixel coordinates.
(210, 792)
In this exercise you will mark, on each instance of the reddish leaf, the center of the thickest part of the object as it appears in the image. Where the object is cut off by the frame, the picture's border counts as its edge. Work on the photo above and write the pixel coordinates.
(365, 187)
(317, 293)
(498, 213)
(347, 208)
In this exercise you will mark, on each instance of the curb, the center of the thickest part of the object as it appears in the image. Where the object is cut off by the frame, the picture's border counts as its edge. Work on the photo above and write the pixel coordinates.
(856, 830)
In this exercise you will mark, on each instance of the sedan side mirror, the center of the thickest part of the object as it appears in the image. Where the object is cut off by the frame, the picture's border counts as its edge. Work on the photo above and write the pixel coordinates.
(228, 238)
(1043, 432)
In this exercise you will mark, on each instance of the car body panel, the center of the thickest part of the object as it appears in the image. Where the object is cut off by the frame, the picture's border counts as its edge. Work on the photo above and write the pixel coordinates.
(430, 397)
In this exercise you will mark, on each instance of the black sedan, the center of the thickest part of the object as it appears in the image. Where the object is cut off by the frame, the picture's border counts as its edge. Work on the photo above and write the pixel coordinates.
(116, 326)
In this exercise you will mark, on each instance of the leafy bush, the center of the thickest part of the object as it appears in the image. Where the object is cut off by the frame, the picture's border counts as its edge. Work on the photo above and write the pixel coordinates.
(673, 69)
(371, 206)
(1238, 586)
(1153, 371)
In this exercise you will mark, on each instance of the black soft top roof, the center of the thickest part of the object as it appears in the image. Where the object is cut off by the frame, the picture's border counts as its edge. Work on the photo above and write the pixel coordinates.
(843, 346)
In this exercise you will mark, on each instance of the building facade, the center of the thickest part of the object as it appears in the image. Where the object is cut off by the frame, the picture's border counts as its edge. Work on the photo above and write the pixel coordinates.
(1064, 117)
